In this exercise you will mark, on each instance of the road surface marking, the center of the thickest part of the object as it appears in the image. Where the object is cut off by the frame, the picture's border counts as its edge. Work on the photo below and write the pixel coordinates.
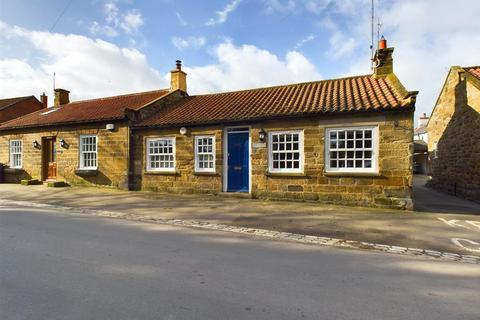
(458, 242)
(474, 223)
(458, 224)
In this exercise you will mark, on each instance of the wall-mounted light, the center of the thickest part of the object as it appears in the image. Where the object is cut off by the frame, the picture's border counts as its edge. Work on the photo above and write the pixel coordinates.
(36, 145)
(63, 144)
(110, 126)
(183, 131)
(262, 135)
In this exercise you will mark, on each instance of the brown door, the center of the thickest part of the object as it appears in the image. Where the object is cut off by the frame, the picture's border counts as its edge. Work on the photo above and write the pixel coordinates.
(49, 159)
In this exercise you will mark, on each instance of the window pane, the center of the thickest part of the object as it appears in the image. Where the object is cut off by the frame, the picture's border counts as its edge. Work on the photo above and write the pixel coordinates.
(205, 158)
(356, 145)
(285, 151)
(161, 155)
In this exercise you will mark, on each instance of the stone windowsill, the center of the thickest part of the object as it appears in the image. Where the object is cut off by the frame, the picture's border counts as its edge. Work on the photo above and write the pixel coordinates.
(197, 173)
(352, 174)
(86, 172)
(161, 173)
(286, 174)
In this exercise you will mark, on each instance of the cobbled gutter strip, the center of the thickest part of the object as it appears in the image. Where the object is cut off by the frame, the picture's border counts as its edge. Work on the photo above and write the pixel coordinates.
(299, 238)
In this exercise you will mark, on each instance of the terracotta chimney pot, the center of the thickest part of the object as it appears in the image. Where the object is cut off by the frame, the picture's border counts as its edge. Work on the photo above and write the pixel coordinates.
(382, 43)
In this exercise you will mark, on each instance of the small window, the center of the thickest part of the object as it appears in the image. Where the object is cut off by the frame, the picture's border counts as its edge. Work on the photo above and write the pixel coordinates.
(205, 154)
(16, 150)
(160, 154)
(351, 149)
(285, 150)
(88, 152)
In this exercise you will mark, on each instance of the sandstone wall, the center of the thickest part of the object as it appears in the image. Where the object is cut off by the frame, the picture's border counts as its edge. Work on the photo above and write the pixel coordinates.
(391, 187)
(455, 129)
(112, 153)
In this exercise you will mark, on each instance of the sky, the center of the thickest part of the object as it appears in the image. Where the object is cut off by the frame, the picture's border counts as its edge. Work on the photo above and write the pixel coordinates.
(98, 48)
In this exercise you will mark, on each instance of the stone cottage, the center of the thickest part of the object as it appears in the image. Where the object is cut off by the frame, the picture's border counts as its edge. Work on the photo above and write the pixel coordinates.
(83, 142)
(12, 108)
(347, 140)
(454, 135)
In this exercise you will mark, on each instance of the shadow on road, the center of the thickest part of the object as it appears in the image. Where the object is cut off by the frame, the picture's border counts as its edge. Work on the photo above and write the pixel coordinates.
(429, 200)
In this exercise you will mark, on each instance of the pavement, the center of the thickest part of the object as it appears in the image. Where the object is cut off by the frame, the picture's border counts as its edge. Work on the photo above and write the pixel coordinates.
(77, 266)
(440, 222)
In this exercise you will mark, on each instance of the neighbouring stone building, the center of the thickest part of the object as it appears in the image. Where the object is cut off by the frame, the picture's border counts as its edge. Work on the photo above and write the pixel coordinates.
(454, 135)
(12, 108)
(420, 146)
(346, 141)
(83, 143)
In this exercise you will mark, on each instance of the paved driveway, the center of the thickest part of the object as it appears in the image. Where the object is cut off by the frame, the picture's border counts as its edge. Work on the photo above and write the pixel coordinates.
(429, 200)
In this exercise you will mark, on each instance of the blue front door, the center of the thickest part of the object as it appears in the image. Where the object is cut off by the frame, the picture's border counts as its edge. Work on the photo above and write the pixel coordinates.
(238, 161)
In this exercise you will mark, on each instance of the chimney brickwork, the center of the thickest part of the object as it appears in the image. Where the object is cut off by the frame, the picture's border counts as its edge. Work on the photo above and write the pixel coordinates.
(383, 59)
(62, 96)
(178, 78)
(44, 100)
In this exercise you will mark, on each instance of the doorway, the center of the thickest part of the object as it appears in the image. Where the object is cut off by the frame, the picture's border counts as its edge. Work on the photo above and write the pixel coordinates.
(238, 159)
(49, 162)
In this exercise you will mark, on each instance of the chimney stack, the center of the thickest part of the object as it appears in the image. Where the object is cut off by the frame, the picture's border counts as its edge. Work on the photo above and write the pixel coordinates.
(61, 97)
(178, 80)
(423, 120)
(44, 100)
(383, 60)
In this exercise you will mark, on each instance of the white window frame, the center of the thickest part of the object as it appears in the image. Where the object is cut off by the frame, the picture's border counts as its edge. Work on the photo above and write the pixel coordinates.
(373, 149)
(13, 152)
(300, 150)
(82, 153)
(148, 154)
(197, 168)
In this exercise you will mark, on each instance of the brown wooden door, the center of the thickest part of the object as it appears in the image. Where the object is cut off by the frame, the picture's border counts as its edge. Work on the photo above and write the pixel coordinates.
(50, 158)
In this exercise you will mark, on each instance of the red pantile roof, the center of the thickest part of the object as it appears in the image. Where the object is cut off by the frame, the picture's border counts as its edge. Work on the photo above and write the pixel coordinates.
(475, 71)
(352, 94)
(5, 103)
(94, 110)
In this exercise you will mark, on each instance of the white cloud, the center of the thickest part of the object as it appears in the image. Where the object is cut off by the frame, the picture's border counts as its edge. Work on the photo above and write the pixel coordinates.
(317, 6)
(223, 14)
(116, 20)
(190, 42)
(246, 66)
(87, 67)
(131, 21)
(111, 12)
(273, 6)
(296, 6)
(428, 40)
(341, 45)
(96, 68)
(97, 28)
(307, 39)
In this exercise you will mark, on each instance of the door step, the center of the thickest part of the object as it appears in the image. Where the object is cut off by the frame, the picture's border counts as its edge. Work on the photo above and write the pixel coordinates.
(55, 184)
(243, 195)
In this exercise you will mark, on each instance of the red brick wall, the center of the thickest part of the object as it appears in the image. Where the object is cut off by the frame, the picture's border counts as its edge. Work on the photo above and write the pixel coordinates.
(20, 109)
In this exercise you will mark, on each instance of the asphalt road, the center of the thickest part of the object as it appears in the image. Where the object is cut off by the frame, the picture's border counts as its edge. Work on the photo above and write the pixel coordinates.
(55, 266)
